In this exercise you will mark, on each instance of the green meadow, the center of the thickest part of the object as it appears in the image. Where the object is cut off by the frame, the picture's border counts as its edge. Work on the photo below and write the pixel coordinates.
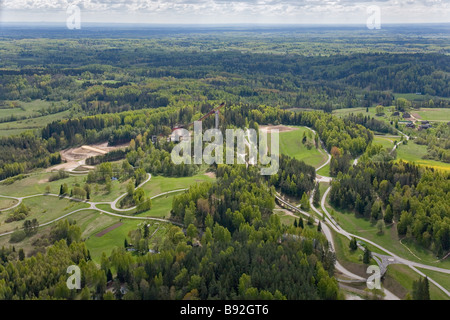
(291, 145)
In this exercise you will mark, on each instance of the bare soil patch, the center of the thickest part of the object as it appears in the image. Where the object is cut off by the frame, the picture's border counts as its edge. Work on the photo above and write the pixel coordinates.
(210, 174)
(103, 232)
(74, 157)
(280, 128)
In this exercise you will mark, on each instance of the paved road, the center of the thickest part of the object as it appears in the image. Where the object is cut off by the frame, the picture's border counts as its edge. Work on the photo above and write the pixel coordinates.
(382, 260)
(93, 206)
(114, 203)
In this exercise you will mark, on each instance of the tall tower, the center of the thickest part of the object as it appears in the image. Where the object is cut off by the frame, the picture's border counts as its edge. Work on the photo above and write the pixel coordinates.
(217, 119)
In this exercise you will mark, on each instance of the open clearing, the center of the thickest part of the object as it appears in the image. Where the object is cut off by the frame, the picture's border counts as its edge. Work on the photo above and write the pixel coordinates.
(412, 152)
(280, 128)
(160, 184)
(75, 157)
(388, 239)
(6, 203)
(405, 276)
(115, 238)
(433, 114)
(43, 208)
(103, 232)
(36, 183)
(291, 144)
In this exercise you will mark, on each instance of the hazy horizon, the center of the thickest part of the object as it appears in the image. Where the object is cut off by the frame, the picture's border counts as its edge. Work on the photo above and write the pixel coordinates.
(228, 12)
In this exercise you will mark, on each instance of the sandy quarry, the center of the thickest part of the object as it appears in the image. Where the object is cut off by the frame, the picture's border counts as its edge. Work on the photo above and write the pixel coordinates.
(280, 128)
(75, 157)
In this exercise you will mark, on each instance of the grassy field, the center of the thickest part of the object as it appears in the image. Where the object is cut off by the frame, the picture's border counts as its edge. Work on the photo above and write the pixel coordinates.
(285, 218)
(160, 184)
(433, 114)
(325, 171)
(398, 279)
(7, 203)
(31, 108)
(404, 276)
(388, 239)
(412, 152)
(16, 127)
(161, 207)
(442, 278)
(386, 141)
(291, 145)
(37, 182)
(115, 238)
(43, 208)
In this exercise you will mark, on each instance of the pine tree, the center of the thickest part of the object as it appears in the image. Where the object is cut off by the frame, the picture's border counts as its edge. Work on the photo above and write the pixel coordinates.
(319, 227)
(316, 198)
(295, 223)
(367, 256)
(353, 244)
(109, 275)
(21, 254)
(300, 223)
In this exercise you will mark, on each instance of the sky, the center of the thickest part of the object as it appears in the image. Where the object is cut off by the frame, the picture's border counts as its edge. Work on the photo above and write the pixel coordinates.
(226, 11)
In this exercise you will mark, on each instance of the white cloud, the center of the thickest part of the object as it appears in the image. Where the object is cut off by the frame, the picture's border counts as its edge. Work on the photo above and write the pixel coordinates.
(224, 11)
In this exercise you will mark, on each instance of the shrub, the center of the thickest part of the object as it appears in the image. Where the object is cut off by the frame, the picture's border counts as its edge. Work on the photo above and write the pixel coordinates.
(17, 236)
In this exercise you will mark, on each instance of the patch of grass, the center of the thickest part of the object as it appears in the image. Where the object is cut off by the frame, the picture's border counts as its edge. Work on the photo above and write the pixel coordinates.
(291, 145)
(7, 203)
(160, 184)
(433, 114)
(115, 238)
(27, 109)
(388, 239)
(16, 127)
(412, 152)
(325, 171)
(161, 207)
(442, 278)
(386, 142)
(37, 182)
(349, 259)
(43, 208)
(405, 276)
(285, 219)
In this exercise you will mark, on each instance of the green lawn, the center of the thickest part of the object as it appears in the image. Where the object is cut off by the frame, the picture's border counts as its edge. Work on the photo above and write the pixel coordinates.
(291, 145)
(116, 237)
(405, 276)
(285, 218)
(37, 182)
(325, 171)
(31, 108)
(389, 239)
(160, 184)
(442, 278)
(16, 127)
(433, 114)
(43, 208)
(386, 142)
(412, 152)
(7, 203)
(386, 117)
(161, 207)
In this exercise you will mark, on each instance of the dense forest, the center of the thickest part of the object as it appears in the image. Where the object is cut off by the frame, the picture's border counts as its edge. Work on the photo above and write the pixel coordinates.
(409, 195)
(231, 244)
(229, 251)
